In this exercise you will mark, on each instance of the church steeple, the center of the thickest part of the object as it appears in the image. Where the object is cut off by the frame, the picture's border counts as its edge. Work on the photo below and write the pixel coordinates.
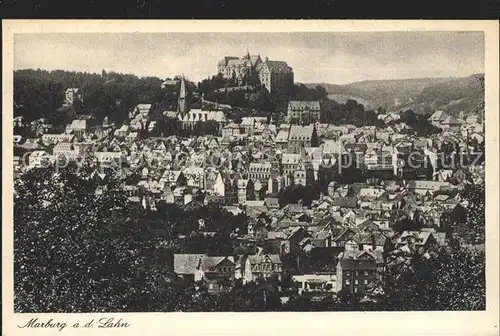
(182, 97)
(247, 55)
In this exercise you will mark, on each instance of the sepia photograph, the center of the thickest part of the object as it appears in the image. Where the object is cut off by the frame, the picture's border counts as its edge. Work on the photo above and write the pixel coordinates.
(287, 171)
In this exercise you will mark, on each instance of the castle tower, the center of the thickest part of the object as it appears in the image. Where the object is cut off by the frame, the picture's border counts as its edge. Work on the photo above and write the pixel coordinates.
(183, 108)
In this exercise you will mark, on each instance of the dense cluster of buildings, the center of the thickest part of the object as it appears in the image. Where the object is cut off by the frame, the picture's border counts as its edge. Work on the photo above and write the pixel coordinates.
(346, 229)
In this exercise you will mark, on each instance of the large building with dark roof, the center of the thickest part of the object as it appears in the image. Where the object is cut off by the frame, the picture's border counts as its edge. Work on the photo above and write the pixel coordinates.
(303, 110)
(274, 75)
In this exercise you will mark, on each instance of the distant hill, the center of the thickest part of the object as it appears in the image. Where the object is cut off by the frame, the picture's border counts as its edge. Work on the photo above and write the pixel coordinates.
(342, 98)
(424, 95)
(452, 96)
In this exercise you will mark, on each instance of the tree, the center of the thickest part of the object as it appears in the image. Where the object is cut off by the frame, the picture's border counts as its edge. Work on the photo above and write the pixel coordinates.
(475, 222)
(74, 251)
(442, 279)
(297, 193)
(406, 224)
(41, 93)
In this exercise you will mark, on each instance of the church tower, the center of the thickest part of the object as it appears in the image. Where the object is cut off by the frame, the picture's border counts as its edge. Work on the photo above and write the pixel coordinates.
(183, 108)
(304, 171)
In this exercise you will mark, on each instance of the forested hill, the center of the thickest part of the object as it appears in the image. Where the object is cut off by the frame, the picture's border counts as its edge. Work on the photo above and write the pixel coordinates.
(423, 95)
(40, 93)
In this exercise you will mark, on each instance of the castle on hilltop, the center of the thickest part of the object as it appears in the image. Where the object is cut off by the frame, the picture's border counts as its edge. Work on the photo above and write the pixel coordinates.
(273, 75)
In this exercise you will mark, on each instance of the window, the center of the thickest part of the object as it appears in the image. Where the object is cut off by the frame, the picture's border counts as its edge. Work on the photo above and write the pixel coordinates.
(347, 282)
(356, 282)
(347, 273)
(366, 273)
(366, 282)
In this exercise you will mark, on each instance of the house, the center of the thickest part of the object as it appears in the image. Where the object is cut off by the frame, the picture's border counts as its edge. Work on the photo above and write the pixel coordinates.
(39, 159)
(274, 75)
(107, 159)
(426, 187)
(262, 267)
(272, 203)
(17, 163)
(19, 121)
(451, 124)
(419, 239)
(195, 176)
(260, 170)
(380, 160)
(232, 129)
(374, 241)
(248, 124)
(218, 186)
(67, 150)
(304, 171)
(354, 274)
(372, 194)
(49, 139)
(169, 82)
(298, 137)
(343, 238)
(437, 118)
(81, 125)
(132, 136)
(292, 242)
(122, 131)
(216, 272)
(289, 163)
(143, 109)
(152, 126)
(303, 111)
(317, 282)
(189, 119)
(377, 255)
(230, 191)
(281, 140)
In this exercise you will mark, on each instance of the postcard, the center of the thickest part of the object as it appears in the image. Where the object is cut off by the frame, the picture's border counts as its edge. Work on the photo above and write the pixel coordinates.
(250, 177)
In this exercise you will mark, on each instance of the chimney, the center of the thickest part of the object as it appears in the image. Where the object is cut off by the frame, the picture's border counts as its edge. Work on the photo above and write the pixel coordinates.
(266, 59)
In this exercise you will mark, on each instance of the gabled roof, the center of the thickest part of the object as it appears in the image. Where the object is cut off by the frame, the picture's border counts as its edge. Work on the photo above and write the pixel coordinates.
(257, 259)
(438, 116)
(301, 132)
(333, 147)
(427, 185)
(275, 66)
(358, 264)
(208, 263)
(450, 120)
(186, 263)
(371, 192)
(304, 105)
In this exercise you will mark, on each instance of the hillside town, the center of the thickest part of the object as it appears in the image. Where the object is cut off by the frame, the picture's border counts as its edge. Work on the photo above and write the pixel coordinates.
(322, 206)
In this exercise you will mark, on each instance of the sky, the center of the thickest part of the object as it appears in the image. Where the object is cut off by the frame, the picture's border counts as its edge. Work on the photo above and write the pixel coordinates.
(316, 57)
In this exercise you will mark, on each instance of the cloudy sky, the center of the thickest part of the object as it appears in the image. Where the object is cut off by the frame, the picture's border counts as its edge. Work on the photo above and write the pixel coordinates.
(337, 58)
